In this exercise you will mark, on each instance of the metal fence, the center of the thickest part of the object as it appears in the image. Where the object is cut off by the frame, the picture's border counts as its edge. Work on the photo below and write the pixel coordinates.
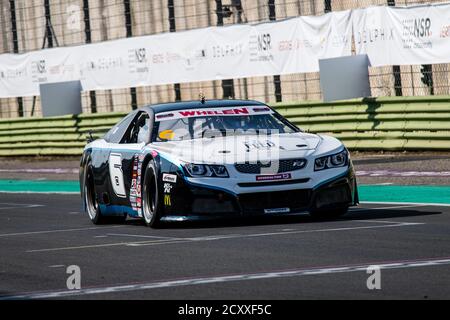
(27, 25)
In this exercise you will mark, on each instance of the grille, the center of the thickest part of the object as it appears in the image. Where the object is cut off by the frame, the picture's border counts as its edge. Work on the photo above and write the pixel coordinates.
(285, 165)
(255, 203)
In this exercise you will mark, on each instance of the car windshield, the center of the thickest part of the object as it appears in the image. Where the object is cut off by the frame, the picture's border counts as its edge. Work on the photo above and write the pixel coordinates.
(212, 122)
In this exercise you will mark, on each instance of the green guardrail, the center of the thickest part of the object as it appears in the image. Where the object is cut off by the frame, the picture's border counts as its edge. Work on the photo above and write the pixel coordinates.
(387, 123)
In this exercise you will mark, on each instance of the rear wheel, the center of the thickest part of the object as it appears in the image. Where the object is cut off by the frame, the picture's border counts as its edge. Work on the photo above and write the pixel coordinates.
(90, 199)
(151, 207)
(92, 206)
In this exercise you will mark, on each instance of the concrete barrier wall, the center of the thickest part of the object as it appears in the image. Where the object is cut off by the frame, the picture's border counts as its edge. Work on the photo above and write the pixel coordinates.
(407, 123)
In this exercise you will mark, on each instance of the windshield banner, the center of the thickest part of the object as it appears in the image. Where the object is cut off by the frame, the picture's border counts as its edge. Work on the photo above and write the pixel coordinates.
(223, 112)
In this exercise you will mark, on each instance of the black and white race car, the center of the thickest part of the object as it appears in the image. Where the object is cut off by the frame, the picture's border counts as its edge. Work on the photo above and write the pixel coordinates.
(208, 159)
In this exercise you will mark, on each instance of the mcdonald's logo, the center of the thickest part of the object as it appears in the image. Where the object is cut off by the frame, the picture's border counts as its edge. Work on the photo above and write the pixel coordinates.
(167, 200)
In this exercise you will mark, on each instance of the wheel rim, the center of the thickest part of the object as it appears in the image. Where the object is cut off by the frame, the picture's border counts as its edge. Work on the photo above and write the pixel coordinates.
(149, 199)
(91, 200)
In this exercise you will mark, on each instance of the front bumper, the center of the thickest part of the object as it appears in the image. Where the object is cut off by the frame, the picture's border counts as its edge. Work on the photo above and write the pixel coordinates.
(199, 203)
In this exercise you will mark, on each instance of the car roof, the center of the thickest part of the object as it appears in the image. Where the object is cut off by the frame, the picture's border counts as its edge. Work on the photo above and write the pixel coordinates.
(196, 104)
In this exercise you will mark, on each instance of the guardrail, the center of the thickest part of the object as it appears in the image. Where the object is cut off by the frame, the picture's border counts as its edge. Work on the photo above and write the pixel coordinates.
(388, 123)
(54, 136)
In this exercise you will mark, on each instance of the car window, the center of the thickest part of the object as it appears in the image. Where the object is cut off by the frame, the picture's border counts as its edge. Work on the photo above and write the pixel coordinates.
(132, 133)
(116, 133)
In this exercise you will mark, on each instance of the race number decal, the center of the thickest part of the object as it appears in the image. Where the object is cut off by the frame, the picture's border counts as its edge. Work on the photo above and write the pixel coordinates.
(116, 174)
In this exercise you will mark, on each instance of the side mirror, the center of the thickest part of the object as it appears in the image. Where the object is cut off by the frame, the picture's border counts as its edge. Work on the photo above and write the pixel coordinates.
(90, 138)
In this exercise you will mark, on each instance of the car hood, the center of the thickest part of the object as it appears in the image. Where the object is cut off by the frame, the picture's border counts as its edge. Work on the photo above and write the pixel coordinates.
(241, 148)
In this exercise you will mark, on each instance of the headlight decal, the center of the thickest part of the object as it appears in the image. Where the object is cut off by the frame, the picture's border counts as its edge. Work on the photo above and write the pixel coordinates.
(205, 170)
(336, 160)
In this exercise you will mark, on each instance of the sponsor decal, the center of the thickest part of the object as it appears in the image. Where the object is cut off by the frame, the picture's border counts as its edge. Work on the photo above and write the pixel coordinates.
(191, 113)
(39, 72)
(260, 47)
(229, 111)
(257, 144)
(377, 34)
(169, 178)
(277, 210)
(138, 189)
(227, 50)
(41, 66)
(294, 44)
(104, 64)
(167, 187)
(416, 33)
(167, 200)
(273, 177)
(261, 109)
(445, 32)
(165, 115)
(138, 61)
(15, 73)
(135, 188)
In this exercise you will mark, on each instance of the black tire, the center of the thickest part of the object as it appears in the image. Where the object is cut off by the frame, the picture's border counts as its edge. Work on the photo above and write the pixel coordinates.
(151, 204)
(325, 214)
(91, 201)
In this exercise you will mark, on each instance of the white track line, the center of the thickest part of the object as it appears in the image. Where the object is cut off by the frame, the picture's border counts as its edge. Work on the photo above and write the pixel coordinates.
(20, 204)
(230, 278)
(408, 203)
(221, 237)
(54, 231)
(391, 207)
(141, 236)
(22, 207)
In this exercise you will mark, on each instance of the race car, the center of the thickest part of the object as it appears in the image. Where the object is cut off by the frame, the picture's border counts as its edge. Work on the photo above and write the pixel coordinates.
(209, 159)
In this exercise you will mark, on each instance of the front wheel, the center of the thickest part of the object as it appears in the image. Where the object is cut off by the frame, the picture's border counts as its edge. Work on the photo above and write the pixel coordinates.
(150, 197)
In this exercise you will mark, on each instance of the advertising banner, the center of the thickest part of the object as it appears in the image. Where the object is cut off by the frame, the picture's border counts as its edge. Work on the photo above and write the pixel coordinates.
(215, 53)
(403, 35)
(388, 35)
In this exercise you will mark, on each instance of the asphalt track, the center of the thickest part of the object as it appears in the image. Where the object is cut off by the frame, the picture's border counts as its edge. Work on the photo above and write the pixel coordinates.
(280, 258)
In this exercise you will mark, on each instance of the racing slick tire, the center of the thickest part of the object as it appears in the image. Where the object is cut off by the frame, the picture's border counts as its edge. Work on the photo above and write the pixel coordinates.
(91, 201)
(151, 205)
(325, 214)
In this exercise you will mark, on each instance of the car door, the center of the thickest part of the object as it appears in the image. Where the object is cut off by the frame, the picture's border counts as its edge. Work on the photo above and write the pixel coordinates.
(124, 162)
